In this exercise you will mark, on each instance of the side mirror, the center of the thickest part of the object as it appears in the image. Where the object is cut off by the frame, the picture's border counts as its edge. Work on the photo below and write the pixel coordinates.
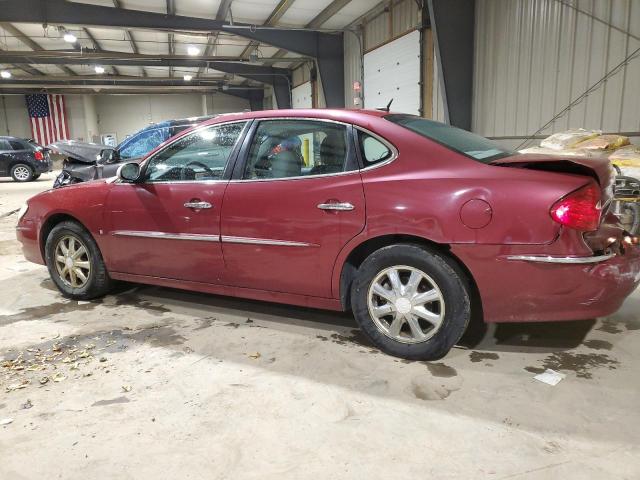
(129, 172)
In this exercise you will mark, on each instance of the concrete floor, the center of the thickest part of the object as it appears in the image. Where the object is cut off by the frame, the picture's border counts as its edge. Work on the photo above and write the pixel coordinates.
(158, 383)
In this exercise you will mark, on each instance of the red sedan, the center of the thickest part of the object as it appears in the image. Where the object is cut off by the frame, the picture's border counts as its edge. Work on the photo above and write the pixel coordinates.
(413, 225)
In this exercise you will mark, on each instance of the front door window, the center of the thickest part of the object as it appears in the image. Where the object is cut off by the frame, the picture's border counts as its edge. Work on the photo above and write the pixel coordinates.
(201, 155)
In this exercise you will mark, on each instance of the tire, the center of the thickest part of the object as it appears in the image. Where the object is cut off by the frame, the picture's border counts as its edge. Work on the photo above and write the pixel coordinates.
(440, 279)
(90, 263)
(21, 172)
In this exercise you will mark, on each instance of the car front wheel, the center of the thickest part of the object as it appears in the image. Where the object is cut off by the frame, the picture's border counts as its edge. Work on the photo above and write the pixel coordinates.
(75, 263)
(411, 301)
(21, 172)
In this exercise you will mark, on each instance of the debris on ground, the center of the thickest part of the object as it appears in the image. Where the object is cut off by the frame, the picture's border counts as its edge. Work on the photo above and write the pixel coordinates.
(5, 421)
(255, 355)
(550, 377)
(59, 377)
(17, 386)
(126, 388)
(26, 405)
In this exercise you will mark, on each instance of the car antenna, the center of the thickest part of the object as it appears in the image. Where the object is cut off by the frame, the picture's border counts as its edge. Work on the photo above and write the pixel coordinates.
(386, 109)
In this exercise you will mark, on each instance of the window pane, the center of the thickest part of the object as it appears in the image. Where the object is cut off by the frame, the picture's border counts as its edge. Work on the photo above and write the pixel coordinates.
(15, 145)
(202, 155)
(4, 145)
(373, 150)
(295, 148)
(472, 145)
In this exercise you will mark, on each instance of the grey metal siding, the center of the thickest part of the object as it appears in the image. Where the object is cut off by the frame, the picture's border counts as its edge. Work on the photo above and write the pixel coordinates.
(533, 57)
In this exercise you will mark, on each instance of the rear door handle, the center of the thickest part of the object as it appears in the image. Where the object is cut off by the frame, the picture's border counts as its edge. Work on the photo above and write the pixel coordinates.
(342, 206)
(197, 205)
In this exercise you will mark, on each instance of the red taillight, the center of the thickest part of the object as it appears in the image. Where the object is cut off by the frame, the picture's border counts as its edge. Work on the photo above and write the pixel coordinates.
(39, 156)
(580, 209)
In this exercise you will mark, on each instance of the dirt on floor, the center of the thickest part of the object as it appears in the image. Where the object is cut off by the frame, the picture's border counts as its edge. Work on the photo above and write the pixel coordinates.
(158, 383)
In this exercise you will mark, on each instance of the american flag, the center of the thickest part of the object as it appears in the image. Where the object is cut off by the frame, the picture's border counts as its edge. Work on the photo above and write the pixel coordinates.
(48, 118)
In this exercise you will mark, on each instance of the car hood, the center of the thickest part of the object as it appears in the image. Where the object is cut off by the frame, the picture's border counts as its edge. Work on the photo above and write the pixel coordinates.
(79, 151)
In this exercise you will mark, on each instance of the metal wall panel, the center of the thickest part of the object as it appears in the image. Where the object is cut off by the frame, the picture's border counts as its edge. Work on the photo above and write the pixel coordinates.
(533, 57)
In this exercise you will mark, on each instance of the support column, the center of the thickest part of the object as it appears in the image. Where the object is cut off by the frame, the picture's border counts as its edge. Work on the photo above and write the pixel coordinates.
(90, 119)
(452, 22)
(204, 104)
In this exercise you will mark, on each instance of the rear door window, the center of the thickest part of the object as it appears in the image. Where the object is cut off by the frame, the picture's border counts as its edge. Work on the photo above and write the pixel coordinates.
(16, 145)
(298, 148)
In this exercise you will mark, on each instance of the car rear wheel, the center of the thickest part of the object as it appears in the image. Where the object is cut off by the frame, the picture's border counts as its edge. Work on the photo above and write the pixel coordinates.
(75, 263)
(21, 172)
(411, 302)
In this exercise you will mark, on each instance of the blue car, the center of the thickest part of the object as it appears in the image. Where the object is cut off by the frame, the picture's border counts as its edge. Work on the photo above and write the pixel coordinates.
(89, 161)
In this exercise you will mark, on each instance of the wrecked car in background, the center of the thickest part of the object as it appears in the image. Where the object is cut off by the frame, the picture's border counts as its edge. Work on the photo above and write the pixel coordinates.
(89, 161)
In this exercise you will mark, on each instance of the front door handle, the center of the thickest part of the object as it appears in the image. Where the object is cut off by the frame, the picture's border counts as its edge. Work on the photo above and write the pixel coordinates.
(197, 205)
(340, 206)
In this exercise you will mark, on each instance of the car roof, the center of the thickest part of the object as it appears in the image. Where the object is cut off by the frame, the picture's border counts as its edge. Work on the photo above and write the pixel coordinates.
(337, 114)
(6, 137)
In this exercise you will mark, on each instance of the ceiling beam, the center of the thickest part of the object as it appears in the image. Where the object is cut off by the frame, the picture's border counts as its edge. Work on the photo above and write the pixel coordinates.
(30, 43)
(124, 90)
(171, 10)
(323, 17)
(126, 58)
(221, 15)
(303, 42)
(119, 81)
(327, 13)
(129, 35)
(271, 20)
(26, 68)
(97, 47)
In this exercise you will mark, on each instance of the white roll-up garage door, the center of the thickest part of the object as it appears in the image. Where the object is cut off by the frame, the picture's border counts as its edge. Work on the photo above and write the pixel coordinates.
(392, 71)
(301, 96)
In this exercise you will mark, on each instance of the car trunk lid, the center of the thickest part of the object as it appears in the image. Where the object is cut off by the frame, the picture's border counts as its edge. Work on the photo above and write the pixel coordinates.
(597, 168)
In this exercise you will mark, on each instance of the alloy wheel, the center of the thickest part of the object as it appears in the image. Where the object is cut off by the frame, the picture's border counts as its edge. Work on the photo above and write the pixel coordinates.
(406, 304)
(21, 172)
(72, 261)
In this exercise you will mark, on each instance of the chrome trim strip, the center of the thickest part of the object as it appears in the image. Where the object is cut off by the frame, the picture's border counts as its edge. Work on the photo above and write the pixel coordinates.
(167, 236)
(265, 241)
(565, 260)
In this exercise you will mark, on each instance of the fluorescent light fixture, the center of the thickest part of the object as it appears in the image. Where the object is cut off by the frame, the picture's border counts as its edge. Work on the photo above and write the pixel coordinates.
(193, 51)
(5, 74)
(99, 69)
(70, 37)
(187, 78)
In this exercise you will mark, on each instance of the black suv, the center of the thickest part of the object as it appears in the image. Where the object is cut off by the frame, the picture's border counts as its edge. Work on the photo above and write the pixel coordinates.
(22, 160)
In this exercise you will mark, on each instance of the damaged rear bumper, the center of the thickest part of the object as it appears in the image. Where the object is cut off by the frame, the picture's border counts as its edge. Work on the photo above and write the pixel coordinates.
(518, 286)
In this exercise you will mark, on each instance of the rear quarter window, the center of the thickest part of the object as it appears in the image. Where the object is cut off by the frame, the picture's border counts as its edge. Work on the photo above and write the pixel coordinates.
(469, 144)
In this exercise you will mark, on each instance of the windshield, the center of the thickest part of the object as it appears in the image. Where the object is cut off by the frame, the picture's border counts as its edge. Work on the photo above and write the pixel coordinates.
(469, 144)
(142, 142)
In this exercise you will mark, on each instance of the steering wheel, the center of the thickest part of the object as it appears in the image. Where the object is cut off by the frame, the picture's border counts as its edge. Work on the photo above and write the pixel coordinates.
(199, 164)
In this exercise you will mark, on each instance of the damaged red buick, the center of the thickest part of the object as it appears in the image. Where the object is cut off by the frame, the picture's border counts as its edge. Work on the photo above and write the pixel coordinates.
(413, 225)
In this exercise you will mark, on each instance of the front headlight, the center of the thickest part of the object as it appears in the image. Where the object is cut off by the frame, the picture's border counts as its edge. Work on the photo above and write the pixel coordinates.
(23, 211)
